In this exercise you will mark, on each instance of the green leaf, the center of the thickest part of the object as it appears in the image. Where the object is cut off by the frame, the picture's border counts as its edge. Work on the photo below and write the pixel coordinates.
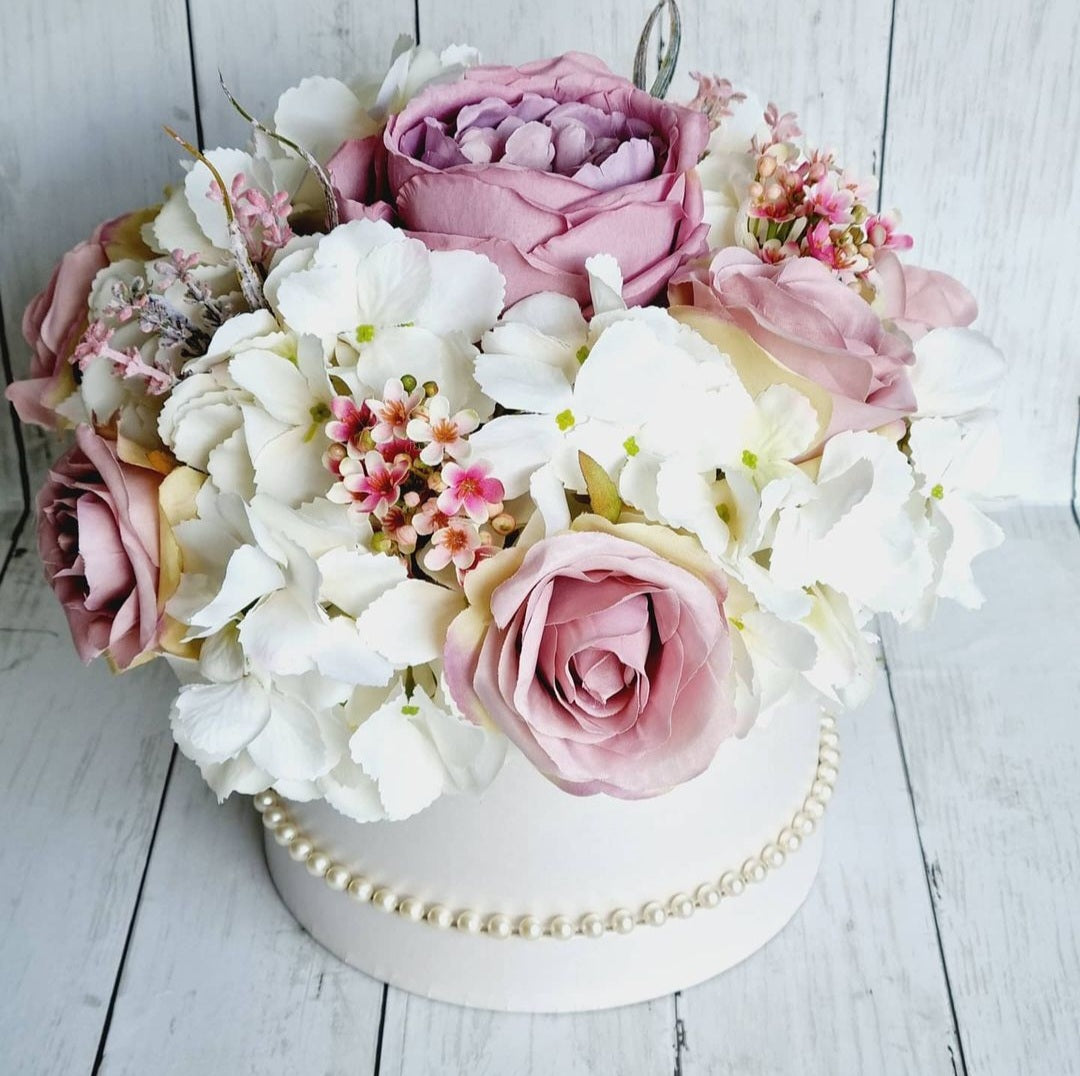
(603, 494)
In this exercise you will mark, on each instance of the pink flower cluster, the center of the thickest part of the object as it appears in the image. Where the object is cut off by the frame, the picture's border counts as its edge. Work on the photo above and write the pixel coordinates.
(402, 460)
(802, 204)
(263, 218)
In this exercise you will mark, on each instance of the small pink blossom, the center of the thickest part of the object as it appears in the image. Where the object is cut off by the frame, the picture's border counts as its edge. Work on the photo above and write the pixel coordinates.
(714, 97)
(782, 126)
(455, 543)
(883, 231)
(820, 246)
(429, 518)
(393, 412)
(175, 268)
(263, 220)
(374, 485)
(95, 343)
(349, 422)
(470, 488)
(397, 526)
(829, 201)
(441, 433)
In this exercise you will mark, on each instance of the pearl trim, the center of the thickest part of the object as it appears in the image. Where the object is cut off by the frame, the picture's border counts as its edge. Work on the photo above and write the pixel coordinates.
(731, 883)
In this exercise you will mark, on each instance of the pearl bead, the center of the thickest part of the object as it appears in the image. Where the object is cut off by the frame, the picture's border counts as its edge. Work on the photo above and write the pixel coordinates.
(468, 922)
(789, 840)
(803, 823)
(318, 863)
(814, 807)
(440, 917)
(591, 925)
(622, 921)
(731, 885)
(829, 739)
(286, 833)
(384, 898)
(411, 908)
(772, 856)
(828, 722)
(262, 800)
(653, 913)
(681, 906)
(273, 817)
(530, 928)
(360, 889)
(829, 755)
(560, 927)
(821, 791)
(498, 926)
(827, 773)
(753, 870)
(707, 896)
(337, 878)
(300, 849)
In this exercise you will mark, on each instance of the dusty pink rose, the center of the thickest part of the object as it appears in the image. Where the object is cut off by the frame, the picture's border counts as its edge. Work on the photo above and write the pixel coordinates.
(98, 539)
(918, 300)
(814, 325)
(358, 173)
(538, 167)
(608, 664)
(53, 323)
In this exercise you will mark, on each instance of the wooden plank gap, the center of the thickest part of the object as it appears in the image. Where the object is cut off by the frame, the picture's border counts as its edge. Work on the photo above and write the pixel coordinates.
(196, 105)
(1075, 502)
(16, 426)
(107, 1024)
(416, 20)
(930, 874)
(382, 1029)
(879, 164)
(680, 1034)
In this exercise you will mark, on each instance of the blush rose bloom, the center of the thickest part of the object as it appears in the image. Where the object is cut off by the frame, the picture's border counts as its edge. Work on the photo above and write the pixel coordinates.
(539, 167)
(53, 322)
(98, 536)
(815, 326)
(917, 300)
(603, 653)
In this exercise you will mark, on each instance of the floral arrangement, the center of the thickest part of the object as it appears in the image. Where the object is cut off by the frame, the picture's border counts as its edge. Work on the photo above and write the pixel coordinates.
(498, 405)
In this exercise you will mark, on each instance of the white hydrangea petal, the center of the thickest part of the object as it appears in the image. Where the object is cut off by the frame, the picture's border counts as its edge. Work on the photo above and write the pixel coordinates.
(689, 500)
(638, 485)
(353, 578)
(403, 762)
(956, 371)
(214, 722)
(555, 316)
(176, 228)
(250, 575)
(516, 446)
(229, 466)
(276, 383)
(280, 635)
(341, 655)
(523, 383)
(291, 745)
(605, 283)
(787, 424)
(238, 774)
(321, 113)
(471, 755)
(549, 496)
(408, 624)
(209, 212)
(972, 533)
(464, 296)
(349, 790)
(288, 460)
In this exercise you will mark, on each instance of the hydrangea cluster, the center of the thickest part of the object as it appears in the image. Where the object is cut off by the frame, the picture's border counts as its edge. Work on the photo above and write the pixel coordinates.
(494, 409)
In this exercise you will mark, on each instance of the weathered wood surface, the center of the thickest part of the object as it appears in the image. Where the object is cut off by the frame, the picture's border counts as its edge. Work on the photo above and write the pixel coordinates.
(220, 979)
(987, 704)
(83, 759)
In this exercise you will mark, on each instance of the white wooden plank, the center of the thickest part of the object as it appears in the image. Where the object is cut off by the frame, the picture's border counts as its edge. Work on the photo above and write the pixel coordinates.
(85, 93)
(774, 47)
(263, 47)
(987, 709)
(219, 977)
(422, 1037)
(979, 91)
(83, 759)
(854, 984)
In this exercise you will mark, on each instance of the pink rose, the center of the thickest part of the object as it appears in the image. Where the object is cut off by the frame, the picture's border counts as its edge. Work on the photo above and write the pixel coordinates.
(607, 662)
(815, 326)
(53, 323)
(541, 166)
(98, 538)
(918, 300)
(358, 173)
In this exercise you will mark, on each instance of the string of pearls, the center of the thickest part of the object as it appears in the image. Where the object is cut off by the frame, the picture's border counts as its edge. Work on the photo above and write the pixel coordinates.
(655, 913)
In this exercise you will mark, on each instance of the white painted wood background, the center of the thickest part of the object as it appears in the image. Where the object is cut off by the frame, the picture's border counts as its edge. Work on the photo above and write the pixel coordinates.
(139, 933)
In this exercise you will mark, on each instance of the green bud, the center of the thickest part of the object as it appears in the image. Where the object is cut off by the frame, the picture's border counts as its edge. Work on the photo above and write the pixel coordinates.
(749, 459)
(408, 383)
(631, 446)
(410, 711)
(431, 388)
(938, 492)
(583, 353)
(723, 512)
(565, 419)
(365, 334)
